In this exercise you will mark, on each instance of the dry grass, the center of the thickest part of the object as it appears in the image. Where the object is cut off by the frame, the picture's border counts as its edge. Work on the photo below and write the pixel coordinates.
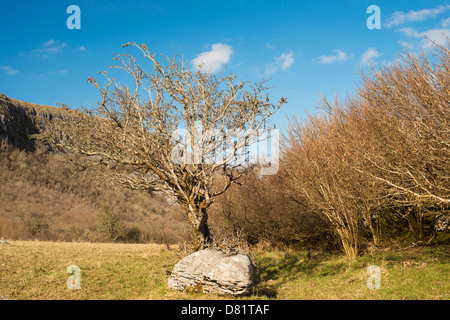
(37, 270)
(38, 108)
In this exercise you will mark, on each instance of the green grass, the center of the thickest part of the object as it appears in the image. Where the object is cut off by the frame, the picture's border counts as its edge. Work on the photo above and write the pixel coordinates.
(37, 270)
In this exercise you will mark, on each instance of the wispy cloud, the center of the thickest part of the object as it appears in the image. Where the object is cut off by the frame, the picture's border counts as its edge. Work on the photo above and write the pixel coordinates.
(445, 23)
(59, 72)
(410, 32)
(47, 74)
(369, 55)
(338, 56)
(400, 17)
(405, 44)
(47, 48)
(286, 60)
(283, 62)
(269, 46)
(81, 48)
(213, 60)
(438, 36)
(9, 70)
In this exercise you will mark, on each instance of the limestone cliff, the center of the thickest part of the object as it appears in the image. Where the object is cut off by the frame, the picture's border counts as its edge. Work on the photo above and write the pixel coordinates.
(19, 119)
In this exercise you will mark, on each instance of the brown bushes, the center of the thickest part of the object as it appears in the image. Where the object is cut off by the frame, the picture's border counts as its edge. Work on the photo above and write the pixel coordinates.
(375, 166)
(383, 152)
(263, 211)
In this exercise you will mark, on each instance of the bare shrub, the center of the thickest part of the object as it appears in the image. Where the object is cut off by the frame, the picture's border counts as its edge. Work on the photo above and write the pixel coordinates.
(264, 211)
(111, 224)
(34, 224)
(380, 154)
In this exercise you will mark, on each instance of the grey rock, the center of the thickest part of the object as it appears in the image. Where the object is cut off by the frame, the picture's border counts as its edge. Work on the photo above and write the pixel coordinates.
(19, 120)
(214, 271)
(442, 222)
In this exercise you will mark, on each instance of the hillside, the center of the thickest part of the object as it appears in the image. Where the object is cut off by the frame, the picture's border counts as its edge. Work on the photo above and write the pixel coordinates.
(42, 197)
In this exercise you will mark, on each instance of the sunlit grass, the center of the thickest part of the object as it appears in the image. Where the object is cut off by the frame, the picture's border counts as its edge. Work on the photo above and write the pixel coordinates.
(37, 270)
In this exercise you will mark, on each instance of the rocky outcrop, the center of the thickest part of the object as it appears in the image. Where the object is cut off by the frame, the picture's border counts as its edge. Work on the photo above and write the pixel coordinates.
(18, 120)
(214, 271)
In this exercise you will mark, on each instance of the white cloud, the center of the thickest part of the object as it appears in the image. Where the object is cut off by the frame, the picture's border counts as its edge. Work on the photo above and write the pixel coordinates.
(59, 72)
(9, 70)
(338, 56)
(405, 44)
(270, 68)
(50, 42)
(445, 23)
(400, 17)
(52, 46)
(368, 56)
(81, 48)
(49, 47)
(269, 46)
(214, 59)
(439, 36)
(410, 32)
(284, 61)
(50, 73)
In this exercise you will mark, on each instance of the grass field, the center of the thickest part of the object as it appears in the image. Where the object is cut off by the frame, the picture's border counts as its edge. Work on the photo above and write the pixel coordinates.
(37, 270)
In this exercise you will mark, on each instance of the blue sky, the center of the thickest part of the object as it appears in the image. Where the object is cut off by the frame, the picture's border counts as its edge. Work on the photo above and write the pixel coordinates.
(304, 48)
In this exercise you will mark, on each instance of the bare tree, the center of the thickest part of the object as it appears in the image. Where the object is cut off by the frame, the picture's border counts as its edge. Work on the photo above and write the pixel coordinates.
(174, 130)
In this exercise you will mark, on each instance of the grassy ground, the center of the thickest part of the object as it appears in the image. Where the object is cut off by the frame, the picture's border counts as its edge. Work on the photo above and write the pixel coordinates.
(37, 270)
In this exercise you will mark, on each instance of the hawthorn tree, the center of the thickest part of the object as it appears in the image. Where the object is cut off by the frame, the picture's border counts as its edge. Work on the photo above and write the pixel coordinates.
(175, 131)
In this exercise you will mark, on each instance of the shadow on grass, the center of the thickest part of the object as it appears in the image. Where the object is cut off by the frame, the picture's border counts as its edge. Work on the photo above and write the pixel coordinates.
(271, 271)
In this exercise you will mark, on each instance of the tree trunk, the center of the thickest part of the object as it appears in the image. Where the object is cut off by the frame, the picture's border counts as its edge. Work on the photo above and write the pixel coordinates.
(198, 218)
(420, 224)
(374, 226)
(350, 243)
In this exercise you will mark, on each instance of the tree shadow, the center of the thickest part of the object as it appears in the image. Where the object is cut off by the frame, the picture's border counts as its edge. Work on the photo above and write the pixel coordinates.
(270, 271)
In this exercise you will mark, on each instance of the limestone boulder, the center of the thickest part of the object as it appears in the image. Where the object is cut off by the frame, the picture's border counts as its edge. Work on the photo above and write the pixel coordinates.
(214, 271)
